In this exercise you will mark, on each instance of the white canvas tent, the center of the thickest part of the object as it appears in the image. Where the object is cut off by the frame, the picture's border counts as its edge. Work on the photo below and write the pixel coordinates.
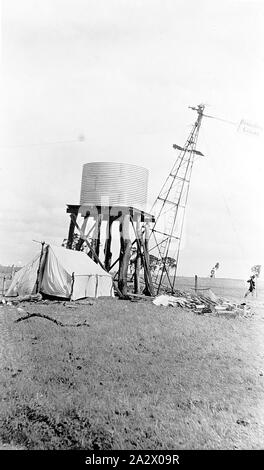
(65, 273)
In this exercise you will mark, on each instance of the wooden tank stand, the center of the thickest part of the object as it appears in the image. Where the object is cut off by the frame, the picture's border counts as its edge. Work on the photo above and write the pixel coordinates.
(126, 217)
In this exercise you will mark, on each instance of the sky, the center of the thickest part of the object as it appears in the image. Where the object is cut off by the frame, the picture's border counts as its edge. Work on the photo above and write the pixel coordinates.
(122, 74)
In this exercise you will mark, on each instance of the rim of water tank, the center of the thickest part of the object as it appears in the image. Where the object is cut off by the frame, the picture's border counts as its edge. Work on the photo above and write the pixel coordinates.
(117, 163)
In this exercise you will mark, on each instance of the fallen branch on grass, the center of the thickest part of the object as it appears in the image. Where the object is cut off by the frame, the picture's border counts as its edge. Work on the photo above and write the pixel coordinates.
(27, 298)
(57, 322)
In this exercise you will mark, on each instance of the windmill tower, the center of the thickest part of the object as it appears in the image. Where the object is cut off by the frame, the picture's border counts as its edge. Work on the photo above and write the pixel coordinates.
(169, 209)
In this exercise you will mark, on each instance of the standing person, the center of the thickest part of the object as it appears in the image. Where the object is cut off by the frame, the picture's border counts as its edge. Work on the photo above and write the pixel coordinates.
(213, 270)
(252, 285)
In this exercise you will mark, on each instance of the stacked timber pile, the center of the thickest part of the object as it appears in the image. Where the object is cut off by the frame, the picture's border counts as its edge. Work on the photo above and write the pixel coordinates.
(203, 303)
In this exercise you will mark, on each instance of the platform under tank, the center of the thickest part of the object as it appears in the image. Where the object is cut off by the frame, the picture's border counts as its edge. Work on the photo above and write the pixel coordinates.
(114, 184)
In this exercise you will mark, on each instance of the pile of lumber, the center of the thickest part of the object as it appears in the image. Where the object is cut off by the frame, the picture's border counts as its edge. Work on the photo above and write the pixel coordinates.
(207, 302)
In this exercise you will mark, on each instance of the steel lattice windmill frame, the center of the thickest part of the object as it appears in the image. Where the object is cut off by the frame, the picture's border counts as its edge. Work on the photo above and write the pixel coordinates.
(169, 207)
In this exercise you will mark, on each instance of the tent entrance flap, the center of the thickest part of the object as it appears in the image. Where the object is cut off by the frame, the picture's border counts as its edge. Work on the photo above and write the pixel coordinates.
(56, 280)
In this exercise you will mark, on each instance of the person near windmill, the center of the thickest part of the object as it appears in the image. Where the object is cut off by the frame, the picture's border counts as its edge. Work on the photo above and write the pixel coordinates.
(252, 285)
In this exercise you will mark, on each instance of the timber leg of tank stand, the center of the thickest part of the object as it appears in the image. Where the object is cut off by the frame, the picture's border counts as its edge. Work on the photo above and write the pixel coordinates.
(125, 250)
(98, 235)
(73, 216)
(137, 260)
(95, 242)
(82, 233)
(149, 290)
(107, 249)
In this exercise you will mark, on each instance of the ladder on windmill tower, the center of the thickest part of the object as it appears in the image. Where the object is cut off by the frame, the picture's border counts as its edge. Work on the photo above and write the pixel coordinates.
(169, 209)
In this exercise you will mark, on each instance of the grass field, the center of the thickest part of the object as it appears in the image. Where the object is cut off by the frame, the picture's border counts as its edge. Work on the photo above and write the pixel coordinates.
(138, 377)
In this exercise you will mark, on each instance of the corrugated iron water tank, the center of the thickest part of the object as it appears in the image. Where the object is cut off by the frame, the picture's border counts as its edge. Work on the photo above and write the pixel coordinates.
(114, 184)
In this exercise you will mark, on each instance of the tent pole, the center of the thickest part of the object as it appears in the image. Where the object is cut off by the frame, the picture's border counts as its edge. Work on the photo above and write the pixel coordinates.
(72, 283)
(40, 270)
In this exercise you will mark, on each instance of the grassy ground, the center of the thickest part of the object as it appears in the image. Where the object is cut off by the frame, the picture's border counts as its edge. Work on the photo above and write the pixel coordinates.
(138, 377)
